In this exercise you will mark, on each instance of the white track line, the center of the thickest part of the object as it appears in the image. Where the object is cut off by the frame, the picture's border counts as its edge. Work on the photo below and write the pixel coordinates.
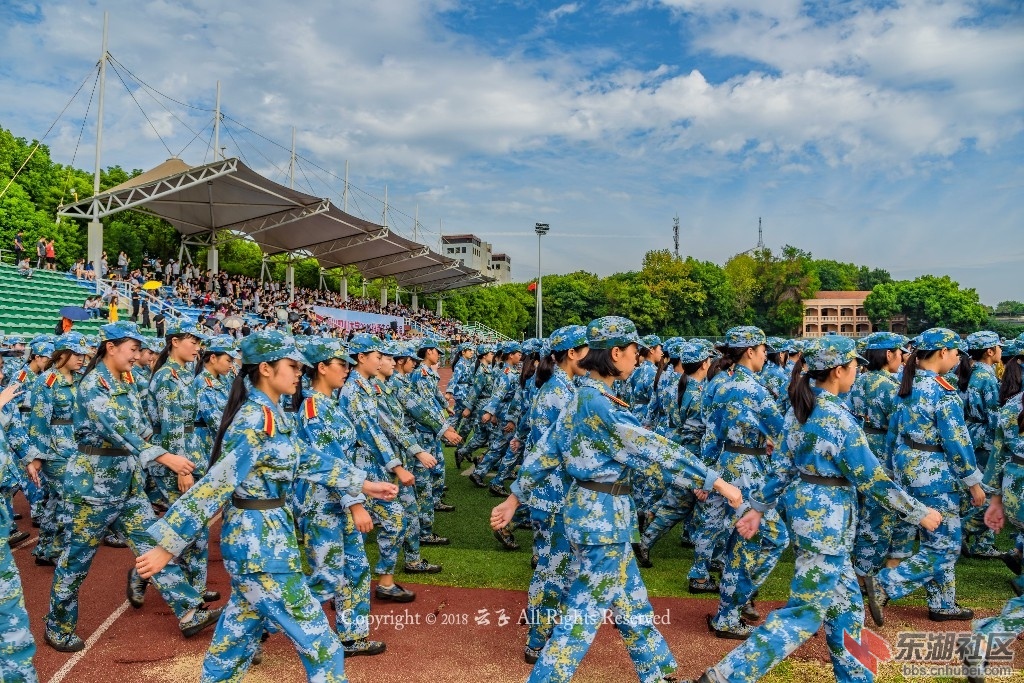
(93, 639)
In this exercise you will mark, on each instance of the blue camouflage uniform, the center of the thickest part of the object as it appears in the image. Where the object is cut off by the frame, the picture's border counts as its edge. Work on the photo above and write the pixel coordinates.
(427, 384)
(824, 463)
(477, 398)
(981, 410)
(601, 441)
(261, 458)
(103, 490)
(541, 485)
(934, 460)
(743, 417)
(374, 455)
(503, 409)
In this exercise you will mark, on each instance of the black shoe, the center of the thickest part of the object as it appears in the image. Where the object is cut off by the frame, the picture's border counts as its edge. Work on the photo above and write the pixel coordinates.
(394, 593)
(17, 537)
(202, 619)
(708, 585)
(478, 481)
(877, 599)
(35, 524)
(530, 655)
(1013, 562)
(686, 543)
(642, 521)
(643, 555)
(954, 613)
(988, 554)
(974, 666)
(741, 633)
(71, 643)
(363, 647)
(443, 507)
(434, 539)
(1017, 590)
(136, 589)
(421, 567)
(534, 561)
(16, 516)
(45, 562)
(211, 596)
(257, 657)
(749, 613)
(459, 457)
(507, 539)
(113, 541)
(498, 491)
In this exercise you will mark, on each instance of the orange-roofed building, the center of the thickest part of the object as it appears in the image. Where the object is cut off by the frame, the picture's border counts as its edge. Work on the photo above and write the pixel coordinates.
(843, 313)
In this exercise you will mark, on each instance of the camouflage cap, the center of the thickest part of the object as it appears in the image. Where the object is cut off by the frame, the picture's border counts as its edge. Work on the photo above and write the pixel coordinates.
(532, 345)
(183, 327)
(466, 345)
(223, 343)
(938, 338)
(979, 341)
(13, 340)
(744, 336)
(323, 349)
(651, 340)
(568, 337)
(408, 349)
(154, 344)
(671, 347)
(390, 348)
(484, 349)
(428, 343)
(612, 331)
(690, 352)
(1013, 347)
(266, 346)
(41, 346)
(361, 342)
(75, 342)
(825, 353)
(511, 347)
(884, 341)
(121, 330)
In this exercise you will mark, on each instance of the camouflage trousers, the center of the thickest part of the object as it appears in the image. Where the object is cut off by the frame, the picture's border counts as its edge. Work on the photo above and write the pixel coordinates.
(608, 581)
(710, 535)
(423, 505)
(480, 437)
(677, 505)
(195, 559)
(748, 564)
(881, 535)
(89, 524)
(53, 517)
(281, 600)
(1009, 620)
(557, 567)
(976, 536)
(16, 644)
(935, 561)
(647, 491)
(429, 483)
(497, 447)
(824, 590)
(339, 567)
(389, 518)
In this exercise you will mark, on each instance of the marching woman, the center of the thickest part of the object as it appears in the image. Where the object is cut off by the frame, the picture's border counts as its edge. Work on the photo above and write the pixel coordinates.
(52, 435)
(602, 444)
(1005, 477)
(743, 423)
(822, 461)
(981, 410)
(335, 551)
(16, 644)
(934, 460)
(103, 488)
(665, 381)
(460, 383)
(542, 484)
(257, 457)
(478, 396)
(501, 414)
(211, 387)
(175, 405)
(882, 540)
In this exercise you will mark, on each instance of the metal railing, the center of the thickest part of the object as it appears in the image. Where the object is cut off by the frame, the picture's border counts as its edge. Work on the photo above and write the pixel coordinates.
(485, 332)
(124, 291)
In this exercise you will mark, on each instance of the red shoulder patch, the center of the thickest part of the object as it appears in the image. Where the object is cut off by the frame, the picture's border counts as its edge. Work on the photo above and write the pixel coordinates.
(51, 379)
(310, 406)
(129, 377)
(104, 384)
(616, 400)
(22, 375)
(944, 384)
(209, 382)
(174, 373)
(268, 422)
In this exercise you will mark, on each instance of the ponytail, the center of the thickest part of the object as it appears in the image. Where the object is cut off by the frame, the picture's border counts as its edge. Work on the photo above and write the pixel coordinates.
(909, 370)
(1020, 415)
(166, 352)
(718, 365)
(1011, 384)
(238, 396)
(662, 364)
(546, 367)
(529, 368)
(964, 371)
(684, 379)
(801, 396)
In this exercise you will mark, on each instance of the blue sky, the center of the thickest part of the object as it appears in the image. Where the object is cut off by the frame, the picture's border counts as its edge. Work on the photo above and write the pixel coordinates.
(890, 134)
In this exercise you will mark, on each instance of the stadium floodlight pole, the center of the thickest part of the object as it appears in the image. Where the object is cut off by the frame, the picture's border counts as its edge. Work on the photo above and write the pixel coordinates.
(541, 229)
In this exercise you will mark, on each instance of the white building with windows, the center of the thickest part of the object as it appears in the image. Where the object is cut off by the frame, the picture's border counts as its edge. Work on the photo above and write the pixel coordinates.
(501, 269)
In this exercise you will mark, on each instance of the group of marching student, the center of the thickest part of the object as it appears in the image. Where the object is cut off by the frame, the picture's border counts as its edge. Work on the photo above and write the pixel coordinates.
(851, 452)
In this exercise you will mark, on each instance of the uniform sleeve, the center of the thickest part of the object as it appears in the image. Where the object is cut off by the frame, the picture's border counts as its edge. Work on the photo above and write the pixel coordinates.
(40, 432)
(949, 418)
(782, 472)
(194, 510)
(422, 407)
(996, 466)
(327, 470)
(644, 451)
(542, 456)
(861, 467)
(210, 410)
(501, 386)
(364, 414)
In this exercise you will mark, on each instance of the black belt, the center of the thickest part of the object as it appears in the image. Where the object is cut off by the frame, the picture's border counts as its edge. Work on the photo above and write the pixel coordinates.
(61, 422)
(97, 450)
(24, 409)
(257, 503)
(1017, 459)
(868, 429)
(614, 489)
(190, 429)
(824, 481)
(923, 446)
(745, 450)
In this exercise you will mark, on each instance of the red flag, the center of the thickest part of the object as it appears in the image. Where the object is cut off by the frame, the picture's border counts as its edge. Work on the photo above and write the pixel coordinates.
(532, 287)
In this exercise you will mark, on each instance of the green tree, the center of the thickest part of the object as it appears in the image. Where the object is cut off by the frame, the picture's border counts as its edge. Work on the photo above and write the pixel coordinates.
(1009, 308)
(927, 301)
